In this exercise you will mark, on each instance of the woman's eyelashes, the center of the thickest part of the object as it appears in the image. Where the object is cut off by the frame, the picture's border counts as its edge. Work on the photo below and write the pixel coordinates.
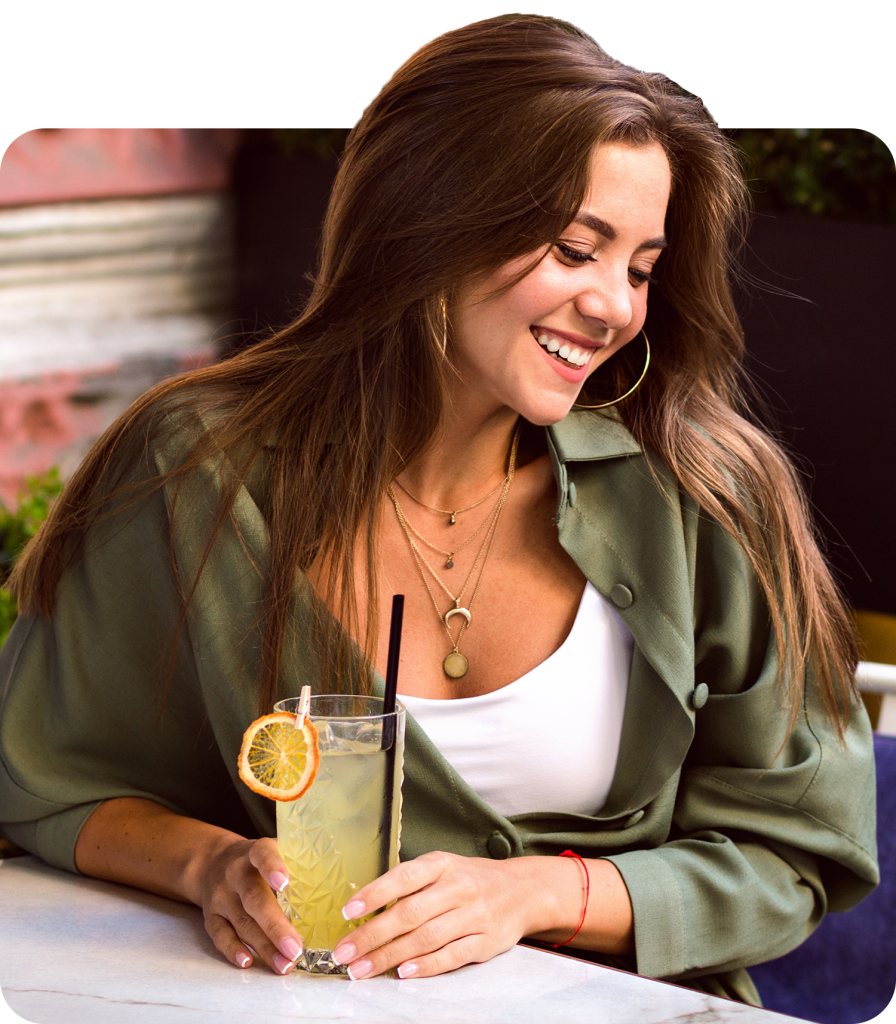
(641, 277)
(575, 255)
(579, 258)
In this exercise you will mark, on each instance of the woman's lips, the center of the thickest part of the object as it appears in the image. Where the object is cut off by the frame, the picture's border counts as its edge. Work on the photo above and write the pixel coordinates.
(566, 353)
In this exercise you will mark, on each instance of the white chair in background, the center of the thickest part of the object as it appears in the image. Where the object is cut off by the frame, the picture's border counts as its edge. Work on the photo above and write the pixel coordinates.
(875, 677)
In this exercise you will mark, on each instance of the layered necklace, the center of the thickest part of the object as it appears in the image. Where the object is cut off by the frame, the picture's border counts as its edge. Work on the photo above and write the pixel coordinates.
(455, 664)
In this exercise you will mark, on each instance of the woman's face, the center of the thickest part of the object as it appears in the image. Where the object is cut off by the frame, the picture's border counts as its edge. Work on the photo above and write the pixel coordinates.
(531, 347)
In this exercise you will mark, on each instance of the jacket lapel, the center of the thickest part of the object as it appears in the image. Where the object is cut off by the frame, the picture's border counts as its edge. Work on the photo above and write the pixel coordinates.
(623, 527)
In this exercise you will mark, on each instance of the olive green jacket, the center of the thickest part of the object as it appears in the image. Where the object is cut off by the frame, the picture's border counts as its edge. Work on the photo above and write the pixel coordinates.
(733, 838)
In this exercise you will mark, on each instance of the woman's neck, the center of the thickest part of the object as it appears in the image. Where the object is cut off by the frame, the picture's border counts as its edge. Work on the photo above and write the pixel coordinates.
(467, 459)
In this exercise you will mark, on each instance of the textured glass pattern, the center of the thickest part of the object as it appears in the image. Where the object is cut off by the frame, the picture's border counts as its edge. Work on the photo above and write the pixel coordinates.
(339, 836)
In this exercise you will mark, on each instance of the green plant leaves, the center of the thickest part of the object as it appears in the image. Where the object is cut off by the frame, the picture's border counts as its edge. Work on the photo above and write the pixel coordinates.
(17, 527)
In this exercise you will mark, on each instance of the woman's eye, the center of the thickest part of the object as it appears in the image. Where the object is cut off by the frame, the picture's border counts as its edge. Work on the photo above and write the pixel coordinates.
(579, 258)
(639, 277)
(574, 256)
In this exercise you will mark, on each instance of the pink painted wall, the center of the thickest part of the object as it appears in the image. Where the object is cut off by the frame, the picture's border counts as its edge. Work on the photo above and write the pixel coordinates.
(52, 420)
(37, 422)
(58, 164)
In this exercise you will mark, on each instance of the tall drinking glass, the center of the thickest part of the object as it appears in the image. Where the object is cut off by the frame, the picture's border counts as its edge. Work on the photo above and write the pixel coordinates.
(344, 832)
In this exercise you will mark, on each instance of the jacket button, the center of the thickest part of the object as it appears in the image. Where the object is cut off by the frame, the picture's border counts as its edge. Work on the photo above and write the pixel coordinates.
(633, 819)
(621, 596)
(571, 491)
(498, 846)
(699, 696)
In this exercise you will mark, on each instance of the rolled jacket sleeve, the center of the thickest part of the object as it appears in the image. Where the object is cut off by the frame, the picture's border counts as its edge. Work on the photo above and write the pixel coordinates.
(86, 712)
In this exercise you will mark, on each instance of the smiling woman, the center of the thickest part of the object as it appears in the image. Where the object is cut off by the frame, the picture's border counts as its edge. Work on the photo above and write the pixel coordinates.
(629, 651)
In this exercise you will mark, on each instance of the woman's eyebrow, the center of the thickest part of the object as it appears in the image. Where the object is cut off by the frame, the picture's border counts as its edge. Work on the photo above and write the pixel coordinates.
(589, 220)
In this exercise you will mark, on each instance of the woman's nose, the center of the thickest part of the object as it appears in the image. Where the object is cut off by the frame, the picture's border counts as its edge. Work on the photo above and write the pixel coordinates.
(606, 297)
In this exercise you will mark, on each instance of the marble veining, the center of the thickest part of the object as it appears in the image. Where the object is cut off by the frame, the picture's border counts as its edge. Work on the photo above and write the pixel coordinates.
(78, 951)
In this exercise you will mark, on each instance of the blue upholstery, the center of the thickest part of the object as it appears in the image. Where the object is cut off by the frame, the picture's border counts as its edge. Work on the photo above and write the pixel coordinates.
(845, 972)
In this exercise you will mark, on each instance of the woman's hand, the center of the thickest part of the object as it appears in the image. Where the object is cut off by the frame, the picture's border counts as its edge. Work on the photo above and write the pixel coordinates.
(241, 911)
(137, 842)
(452, 910)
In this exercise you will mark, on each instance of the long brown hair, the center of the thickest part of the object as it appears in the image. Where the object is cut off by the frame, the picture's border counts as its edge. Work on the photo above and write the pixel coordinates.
(475, 153)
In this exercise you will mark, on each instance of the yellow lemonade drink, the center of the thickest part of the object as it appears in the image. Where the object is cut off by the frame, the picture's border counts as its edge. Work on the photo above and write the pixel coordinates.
(344, 831)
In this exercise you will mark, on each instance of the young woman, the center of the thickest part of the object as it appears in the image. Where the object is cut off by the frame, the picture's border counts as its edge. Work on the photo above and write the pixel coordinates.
(620, 636)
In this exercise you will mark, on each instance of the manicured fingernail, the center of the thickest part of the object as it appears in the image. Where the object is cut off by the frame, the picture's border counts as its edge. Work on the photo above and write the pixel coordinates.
(281, 964)
(345, 953)
(407, 970)
(290, 948)
(352, 909)
(279, 881)
(243, 959)
(360, 969)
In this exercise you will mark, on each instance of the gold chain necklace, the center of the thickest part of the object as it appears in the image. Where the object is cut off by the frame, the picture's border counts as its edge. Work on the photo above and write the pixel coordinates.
(449, 554)
(452, 516)
(455, 665)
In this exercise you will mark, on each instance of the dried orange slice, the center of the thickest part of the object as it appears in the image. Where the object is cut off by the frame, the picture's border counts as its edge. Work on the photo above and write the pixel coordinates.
(277, 760)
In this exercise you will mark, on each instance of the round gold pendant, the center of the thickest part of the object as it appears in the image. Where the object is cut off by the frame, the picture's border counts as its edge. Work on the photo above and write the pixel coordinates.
(455, 665)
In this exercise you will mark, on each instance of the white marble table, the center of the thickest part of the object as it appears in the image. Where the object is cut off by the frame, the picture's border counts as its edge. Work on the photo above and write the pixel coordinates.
(75, 950)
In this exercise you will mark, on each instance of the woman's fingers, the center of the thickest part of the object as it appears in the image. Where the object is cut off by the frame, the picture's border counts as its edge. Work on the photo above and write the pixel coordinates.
(442, 944)
(418, 910)
(448, 911)
(235, 932)
(468, 950)
(402, 880)
(409, 886)
(260, 912)
(227, 941)
(242, 911)
(265, 857)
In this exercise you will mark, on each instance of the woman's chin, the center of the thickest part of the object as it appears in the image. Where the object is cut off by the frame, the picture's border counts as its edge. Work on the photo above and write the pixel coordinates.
(545, 411)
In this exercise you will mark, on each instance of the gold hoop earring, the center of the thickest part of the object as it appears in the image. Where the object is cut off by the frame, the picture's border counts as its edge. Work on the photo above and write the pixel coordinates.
(633, 388)
(443, 302)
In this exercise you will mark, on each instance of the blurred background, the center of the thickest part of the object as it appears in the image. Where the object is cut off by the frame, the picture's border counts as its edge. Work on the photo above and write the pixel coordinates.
(128, 255)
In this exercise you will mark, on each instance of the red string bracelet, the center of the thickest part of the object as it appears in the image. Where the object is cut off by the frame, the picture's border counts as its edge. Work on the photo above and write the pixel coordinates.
(569, 853)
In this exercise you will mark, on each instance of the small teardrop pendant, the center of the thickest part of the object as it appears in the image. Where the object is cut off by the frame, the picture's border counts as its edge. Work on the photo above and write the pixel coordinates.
(449, 564)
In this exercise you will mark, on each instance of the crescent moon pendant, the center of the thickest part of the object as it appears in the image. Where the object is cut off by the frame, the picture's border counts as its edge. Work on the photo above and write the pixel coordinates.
(458, 611)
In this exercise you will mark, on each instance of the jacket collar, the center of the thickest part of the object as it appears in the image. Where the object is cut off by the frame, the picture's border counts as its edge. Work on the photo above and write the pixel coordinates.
(585, 436)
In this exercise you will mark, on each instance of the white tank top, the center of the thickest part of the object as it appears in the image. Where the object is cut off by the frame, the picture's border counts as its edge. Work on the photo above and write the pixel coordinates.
(549, 740)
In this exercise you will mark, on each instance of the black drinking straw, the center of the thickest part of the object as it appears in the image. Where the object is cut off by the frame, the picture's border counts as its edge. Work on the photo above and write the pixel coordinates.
(388, 741)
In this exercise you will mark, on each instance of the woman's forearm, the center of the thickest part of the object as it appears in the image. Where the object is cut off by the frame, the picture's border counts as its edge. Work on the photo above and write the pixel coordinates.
(231, 878)
(140, 843)
(609, 922)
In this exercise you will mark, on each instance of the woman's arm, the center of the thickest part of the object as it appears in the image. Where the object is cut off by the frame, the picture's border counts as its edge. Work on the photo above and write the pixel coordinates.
(138, 842)
(453, 910)
(447, 911)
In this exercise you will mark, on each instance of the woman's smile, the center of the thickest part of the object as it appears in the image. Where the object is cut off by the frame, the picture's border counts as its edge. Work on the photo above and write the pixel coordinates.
(569, 356)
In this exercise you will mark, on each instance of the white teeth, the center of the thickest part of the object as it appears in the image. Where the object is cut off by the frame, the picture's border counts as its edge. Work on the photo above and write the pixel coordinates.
(565, 351)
